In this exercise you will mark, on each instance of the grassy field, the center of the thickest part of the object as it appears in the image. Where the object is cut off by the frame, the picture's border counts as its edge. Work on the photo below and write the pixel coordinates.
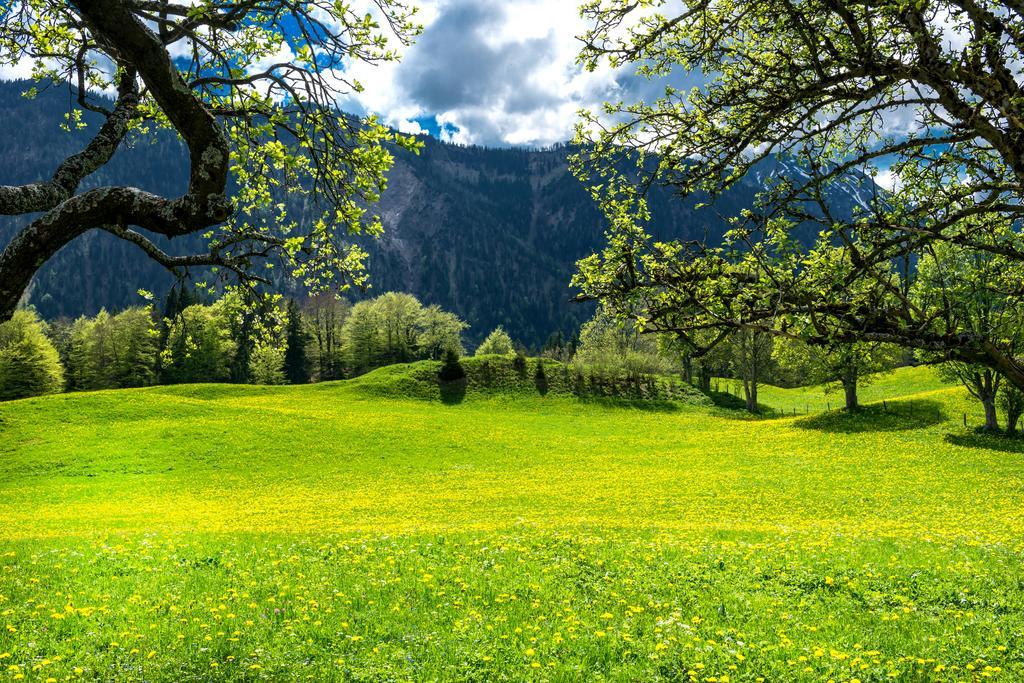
(380, 530)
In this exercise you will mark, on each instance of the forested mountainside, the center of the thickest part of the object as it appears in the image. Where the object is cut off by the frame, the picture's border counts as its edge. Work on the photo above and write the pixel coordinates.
(491, 234)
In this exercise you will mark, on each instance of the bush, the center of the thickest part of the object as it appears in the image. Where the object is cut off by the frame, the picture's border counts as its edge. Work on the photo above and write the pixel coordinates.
(613, 351)
(29, 363)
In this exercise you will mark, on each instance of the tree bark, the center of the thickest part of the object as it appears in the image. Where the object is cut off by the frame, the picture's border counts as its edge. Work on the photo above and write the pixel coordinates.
(991, 420)
(704, 381)
(750, 392)
(850, 391)
(688, 369)
(203, 205)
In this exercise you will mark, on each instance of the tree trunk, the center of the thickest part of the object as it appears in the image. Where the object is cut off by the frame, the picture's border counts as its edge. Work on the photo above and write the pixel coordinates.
(1011, 424)
(688, 369)
(991, 422)
(705, 381)
(850, 390)
(750, 391)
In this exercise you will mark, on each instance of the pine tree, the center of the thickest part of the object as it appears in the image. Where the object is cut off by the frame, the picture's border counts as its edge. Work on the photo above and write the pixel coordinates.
(171, 307)
(296, 365)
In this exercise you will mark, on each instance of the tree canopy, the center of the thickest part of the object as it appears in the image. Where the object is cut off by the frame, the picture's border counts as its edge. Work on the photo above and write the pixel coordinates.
(29, 363)
(834, 92)
(251, 87)
(396, 328)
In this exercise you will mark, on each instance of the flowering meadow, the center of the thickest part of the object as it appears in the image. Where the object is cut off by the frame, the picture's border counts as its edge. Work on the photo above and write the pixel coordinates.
(327, 533)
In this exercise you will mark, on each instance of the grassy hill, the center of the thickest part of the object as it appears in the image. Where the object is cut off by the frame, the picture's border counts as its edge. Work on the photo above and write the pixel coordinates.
(384, 529)
(899, 383)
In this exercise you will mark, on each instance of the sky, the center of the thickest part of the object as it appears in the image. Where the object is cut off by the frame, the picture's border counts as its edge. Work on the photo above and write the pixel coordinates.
(488, 72)
(491, 72)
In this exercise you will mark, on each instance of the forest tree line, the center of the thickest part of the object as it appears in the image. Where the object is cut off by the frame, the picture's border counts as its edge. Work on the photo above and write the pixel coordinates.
(329, 338)
(227, 340)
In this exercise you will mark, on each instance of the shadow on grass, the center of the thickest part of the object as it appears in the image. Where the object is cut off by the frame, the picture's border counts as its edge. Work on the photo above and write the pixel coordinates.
(894, 417)
(205, 392)
(998, 441)
(646, 404)
(734, 407)
(723, 399)
(453, 392)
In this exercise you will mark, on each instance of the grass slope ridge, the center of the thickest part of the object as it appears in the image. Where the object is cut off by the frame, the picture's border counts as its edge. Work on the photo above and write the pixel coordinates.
(495, 376)
(897, 384)
(329, 532)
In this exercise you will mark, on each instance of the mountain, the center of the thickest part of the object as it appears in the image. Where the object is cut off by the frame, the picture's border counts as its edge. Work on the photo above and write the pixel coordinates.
(491, 234)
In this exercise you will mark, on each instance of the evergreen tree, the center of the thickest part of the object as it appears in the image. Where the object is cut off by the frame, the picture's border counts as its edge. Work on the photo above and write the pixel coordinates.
(112, 352)
(171, 307)
(540, 377)
(497, 342)
(137, 338)
(29, 363)
(296, 365)
(519, 362)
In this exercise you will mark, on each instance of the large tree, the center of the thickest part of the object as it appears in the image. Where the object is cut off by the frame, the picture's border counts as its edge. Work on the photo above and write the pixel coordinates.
(833, 91)
(251, 87)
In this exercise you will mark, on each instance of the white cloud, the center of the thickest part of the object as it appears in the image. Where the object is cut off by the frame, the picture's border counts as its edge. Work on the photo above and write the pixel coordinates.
(888, 180)
(497, 73)
(12, 72)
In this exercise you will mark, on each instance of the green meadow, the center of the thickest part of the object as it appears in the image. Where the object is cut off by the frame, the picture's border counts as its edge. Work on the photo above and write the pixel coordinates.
(383, 529)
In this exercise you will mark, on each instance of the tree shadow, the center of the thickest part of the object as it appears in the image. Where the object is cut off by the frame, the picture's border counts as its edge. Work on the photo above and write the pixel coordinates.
(899, 416)
(454, 391)
(997, 441)
(540, 379)
(723, 399)
(645, 404)
(734, 407)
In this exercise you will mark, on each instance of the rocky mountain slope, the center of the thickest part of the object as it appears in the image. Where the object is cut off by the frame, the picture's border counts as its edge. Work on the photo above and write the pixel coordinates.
(492, 234)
